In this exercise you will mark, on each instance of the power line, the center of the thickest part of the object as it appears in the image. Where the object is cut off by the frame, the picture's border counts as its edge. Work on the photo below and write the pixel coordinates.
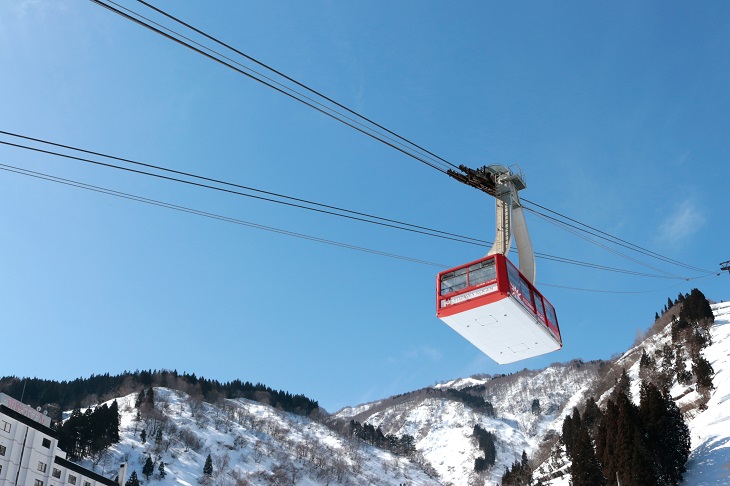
(571, 229)
(347, 120)
(230, 184)
(238, 193)
(326, 111)
(240, 222)
(288, 78)
(395, 224)
(602, 267)
(635, 247)
(581, 289)
(154, 202)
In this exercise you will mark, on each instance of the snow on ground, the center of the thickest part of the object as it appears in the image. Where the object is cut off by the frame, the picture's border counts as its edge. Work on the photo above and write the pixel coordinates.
(349, 412)
(255, 440)
(460, 383)
(443, 430)
(249, 441)
(443, 427)
(709, 461)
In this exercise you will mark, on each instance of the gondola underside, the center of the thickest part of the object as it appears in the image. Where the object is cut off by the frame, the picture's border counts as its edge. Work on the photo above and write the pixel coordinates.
(504, 330)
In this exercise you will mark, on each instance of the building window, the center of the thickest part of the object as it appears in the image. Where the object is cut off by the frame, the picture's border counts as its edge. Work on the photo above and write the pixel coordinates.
(2, 450)
(47, 443)
(42, 467)
(4, 426)
(38, 482)
(87, 483)
(71, 479)
(56, 473)
(1, 468)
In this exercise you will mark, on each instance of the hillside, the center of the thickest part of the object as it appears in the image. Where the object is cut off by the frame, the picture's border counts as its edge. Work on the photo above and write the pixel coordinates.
(274, 438)
(443, 425)
(709, 424)
(709, 462)
(249, 443)
(253, 443)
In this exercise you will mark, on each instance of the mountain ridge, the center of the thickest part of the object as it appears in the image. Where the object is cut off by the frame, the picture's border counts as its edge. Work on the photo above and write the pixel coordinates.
(256, 441)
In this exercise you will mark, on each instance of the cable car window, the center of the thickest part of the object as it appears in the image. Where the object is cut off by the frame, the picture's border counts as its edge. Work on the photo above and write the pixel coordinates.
(527, 294)
(550, 313)
(453, 281)
(514, 276)
(482, 272)
(539, 309)
(520, 286)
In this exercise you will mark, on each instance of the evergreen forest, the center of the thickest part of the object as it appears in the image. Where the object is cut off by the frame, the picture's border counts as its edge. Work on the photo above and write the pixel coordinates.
(57, 396)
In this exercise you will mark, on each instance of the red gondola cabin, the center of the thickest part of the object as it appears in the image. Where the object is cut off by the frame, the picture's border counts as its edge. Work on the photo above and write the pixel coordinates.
(492, 305)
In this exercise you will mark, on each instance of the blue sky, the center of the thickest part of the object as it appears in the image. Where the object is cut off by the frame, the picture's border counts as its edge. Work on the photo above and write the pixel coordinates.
(617, 114)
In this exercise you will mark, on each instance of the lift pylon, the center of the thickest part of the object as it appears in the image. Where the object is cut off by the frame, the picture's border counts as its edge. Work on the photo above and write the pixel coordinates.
(503, 184)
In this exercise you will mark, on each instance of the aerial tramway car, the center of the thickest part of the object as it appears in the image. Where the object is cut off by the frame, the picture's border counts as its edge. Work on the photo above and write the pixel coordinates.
(497, 309)
(489, 301)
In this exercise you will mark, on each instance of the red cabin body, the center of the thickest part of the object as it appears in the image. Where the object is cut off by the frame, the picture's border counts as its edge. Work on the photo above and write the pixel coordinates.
(492, 305)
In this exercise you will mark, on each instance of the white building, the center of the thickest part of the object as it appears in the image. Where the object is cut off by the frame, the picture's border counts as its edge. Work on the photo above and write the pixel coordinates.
(29, 453)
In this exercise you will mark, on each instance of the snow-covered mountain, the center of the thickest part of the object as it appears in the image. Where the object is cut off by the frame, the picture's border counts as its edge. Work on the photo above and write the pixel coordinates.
(443, 425)
(253, 443)
(249, 443)
(709, 461)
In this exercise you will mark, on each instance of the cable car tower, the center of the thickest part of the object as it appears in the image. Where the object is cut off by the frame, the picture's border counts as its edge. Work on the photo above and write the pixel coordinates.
(488, 301)
(725, 266)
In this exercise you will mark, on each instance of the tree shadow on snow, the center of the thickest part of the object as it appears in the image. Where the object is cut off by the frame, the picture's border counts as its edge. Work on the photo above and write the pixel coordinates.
(709, 463)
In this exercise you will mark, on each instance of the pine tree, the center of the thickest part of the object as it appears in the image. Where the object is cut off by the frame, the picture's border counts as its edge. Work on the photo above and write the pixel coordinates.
(407, 445)
(520, 474)
(113, 424)
(490, 451)
(585, 470)
(526, 470)
(150, 397)
(137, 419)
(667, 357)
(703, 371)
(697, 308)
(591, 416)
(143, 436)
(208, 467)
(642, 469)
(140, 399)
(623, 385)
(536, 409)
(667, 433)
(568, 433)
(507, 477)
(633, 461)
(606, 438)
(485, 441)
(148, 468)
(684, 376)
(161, 470)
(133, 480)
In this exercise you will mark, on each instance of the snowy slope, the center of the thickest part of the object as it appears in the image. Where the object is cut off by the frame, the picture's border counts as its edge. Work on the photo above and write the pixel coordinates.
(250, 444)
(709, 462)
(443, 427)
